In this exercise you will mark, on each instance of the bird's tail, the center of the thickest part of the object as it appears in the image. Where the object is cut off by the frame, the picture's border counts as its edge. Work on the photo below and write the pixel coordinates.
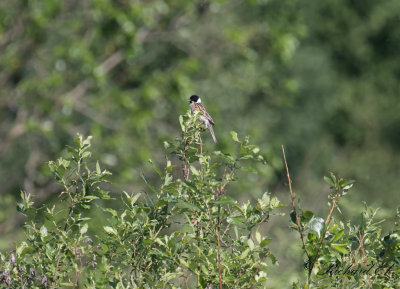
(212, 132)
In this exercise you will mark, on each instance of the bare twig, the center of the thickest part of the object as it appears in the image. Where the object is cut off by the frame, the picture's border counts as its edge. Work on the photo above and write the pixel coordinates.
(365, 258)
(299, 228)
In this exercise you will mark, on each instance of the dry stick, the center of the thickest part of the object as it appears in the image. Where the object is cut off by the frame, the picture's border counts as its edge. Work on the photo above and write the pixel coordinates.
(299, 228)
(365, 258)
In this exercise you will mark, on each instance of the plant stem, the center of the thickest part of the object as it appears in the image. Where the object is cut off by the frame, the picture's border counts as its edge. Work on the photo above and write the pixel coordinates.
(186, 171)
(299, 228)
(201, 153)
(219, 247)
(198, 245)
(365, 257)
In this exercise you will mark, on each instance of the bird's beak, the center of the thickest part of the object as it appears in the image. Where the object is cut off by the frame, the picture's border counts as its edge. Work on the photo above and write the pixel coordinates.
(189, 100)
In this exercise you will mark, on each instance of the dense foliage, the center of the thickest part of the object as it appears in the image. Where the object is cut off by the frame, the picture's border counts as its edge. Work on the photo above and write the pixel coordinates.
(186, 229)
(188, 232)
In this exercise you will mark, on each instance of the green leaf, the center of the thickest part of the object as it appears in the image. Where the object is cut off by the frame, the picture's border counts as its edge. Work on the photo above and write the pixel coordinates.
(132, 199)
(112, 212)
(250, 243)
(226, 157)
(24, 249)
(244, 254)
(258, 237)
(293, 217)
(183, 262)
(225, 200)
(273, 258)
(347, 184)
(341, 248)
(147, 183)
(188, 205)
(235, 136)
(98, 168)
(155, 168)
(265, 242)
(110, 230)
(237, 220)
(306, 216)
(194, 171)
(135, 198)
(183, 128)
(337, 236)
(43, 231)
(329, 181)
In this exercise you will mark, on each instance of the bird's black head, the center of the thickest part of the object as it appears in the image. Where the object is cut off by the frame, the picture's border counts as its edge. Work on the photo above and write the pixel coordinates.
(194, 98)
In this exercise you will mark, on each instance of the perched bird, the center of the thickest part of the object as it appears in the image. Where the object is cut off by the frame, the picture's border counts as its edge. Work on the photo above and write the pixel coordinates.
(195, 105)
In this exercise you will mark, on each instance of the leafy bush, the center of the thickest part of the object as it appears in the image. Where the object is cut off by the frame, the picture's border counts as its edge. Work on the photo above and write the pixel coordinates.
(187, 232)
(344, 255)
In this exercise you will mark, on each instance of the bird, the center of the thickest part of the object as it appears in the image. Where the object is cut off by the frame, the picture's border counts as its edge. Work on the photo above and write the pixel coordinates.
(195, 105)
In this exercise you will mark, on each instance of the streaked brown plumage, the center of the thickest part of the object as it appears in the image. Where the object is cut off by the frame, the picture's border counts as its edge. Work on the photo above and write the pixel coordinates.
(195, 105)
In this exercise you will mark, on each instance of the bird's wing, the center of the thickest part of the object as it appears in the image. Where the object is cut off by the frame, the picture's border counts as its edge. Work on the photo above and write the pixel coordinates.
(200, 107)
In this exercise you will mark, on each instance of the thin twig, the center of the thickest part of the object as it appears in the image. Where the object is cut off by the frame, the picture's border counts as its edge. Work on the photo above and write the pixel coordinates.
(186, 171)
(198, 245)
(219, 247)
(365, 258)
(299, 228)
(343, 281)
(56, 271)
(258, 268)
(221, 190)
(201, 153)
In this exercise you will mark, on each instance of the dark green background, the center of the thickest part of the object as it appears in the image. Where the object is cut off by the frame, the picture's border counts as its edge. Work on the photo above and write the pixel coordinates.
(320, 77)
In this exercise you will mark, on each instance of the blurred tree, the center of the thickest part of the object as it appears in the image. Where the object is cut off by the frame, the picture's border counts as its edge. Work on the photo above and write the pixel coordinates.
(321, 77)
(122, 71)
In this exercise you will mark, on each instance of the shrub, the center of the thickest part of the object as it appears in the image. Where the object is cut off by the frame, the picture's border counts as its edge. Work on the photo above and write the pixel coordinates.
(189, 231)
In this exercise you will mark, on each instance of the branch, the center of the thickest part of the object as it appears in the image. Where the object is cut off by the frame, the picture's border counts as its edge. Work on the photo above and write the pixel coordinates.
(299, 228)
(219, 247)
(365, 258)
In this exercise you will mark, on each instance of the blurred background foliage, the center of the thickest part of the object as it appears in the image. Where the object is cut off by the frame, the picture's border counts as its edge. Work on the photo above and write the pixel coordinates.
(321, 77)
